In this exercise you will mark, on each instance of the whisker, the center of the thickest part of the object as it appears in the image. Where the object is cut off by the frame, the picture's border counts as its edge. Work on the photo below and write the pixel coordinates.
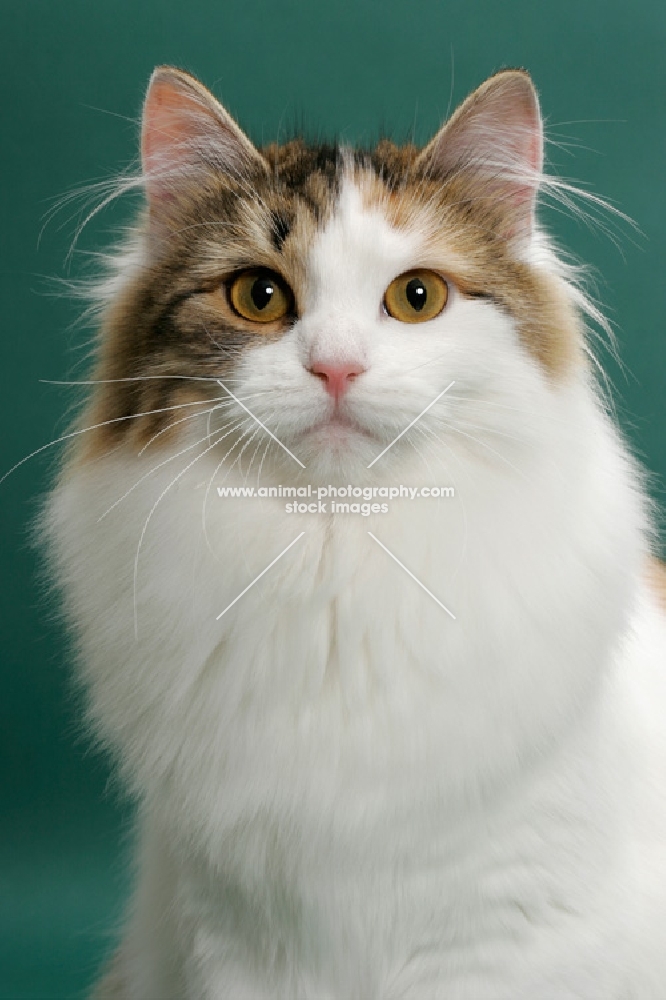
(483, 444)
(425, 461)
(430, 361)
(476, 400)
(254, 455)
(269, 441)
(247, 443)
(150, 472)
(427, 430)
(147, 522)
(181, 420)
(129, 378)
(210, 483)
(223, 402)
(255, 430)
(489, 429)
(93, 427)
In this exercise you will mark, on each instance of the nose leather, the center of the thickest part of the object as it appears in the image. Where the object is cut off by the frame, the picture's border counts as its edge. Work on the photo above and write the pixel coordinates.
(336, 378)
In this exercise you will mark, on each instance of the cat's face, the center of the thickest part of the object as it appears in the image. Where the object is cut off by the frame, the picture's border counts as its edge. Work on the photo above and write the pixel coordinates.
(337, 294)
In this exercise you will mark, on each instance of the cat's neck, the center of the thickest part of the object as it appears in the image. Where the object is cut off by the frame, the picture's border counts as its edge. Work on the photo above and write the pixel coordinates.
(497, 879)
(337, 668)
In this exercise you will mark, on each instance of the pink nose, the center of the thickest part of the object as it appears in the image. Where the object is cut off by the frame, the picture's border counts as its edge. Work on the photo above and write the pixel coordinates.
(336, 378)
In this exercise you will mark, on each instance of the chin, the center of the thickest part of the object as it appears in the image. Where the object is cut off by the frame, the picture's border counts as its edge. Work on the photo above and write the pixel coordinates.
(337, 446)
(337, 434)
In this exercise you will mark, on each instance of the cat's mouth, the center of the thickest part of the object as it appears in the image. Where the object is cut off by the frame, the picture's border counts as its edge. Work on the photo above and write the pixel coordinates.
(338, 427)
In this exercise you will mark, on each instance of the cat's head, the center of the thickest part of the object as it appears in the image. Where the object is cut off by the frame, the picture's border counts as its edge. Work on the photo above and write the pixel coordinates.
(329, 295)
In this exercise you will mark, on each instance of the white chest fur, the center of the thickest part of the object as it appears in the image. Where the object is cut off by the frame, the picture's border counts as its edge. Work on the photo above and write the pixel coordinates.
(344, 785)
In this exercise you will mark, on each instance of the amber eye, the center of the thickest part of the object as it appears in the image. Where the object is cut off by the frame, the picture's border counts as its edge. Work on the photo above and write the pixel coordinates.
(416, 296)
(260, 296)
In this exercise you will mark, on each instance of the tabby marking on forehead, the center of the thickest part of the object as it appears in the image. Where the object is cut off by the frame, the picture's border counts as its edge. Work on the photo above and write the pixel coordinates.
(170, 319)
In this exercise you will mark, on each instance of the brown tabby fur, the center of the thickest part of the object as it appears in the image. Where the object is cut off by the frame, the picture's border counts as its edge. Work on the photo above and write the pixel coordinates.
(173, 316)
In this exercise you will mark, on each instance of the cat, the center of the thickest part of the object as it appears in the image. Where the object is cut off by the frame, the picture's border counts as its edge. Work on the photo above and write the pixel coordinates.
(408, 754)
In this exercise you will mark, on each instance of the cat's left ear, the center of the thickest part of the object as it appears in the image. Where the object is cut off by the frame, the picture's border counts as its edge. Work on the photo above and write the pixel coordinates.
(185, 132)
(495, 142)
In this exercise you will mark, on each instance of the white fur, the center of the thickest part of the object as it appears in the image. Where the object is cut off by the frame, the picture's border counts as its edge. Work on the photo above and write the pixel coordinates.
(345, 793)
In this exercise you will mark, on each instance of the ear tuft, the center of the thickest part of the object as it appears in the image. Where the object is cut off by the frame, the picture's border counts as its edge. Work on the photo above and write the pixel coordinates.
(496, 139)
(186, 130)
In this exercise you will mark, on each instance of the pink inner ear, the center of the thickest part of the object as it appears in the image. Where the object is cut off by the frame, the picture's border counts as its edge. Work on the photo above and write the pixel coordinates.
(172, 121)
(496, 138)
(506, 135)
(522, 127)
(162, 122)
(526, 157)
(186, 130)
(519, 138)
(535, 155)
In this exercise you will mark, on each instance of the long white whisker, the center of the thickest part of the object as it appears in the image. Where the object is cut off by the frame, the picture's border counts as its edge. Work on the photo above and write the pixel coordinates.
(427, 430)
(150, 472)
(93, 427)
(211, 480)
(147, 522)
(254, 453)
(483, 444)
(269, 441)
(430, 361)
(488, 429)
(128, 378)
(283, 446)
(175, 423)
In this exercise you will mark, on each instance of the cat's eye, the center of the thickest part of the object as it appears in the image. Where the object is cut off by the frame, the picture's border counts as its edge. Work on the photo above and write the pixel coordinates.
(260, 296)
(416, 296)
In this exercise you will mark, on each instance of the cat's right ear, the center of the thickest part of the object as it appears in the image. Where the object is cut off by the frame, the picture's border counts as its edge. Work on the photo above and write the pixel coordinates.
(185, 133)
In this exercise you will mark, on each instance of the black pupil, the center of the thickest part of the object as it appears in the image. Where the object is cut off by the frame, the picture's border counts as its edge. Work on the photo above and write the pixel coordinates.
(262, 292)
(416, 294)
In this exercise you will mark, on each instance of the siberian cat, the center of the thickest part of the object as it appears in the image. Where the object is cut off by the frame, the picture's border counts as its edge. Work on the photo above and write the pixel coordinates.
(413, 752)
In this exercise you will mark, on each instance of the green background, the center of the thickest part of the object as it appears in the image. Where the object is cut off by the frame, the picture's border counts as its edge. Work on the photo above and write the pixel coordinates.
(72, 75)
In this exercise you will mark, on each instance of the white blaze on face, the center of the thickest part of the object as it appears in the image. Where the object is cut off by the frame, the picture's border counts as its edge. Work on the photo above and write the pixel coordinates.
(399, 368)
(351, 263)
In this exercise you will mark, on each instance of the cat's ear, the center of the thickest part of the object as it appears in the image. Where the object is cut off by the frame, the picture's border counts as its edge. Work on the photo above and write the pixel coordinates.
(495, 139)
(186, 131)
